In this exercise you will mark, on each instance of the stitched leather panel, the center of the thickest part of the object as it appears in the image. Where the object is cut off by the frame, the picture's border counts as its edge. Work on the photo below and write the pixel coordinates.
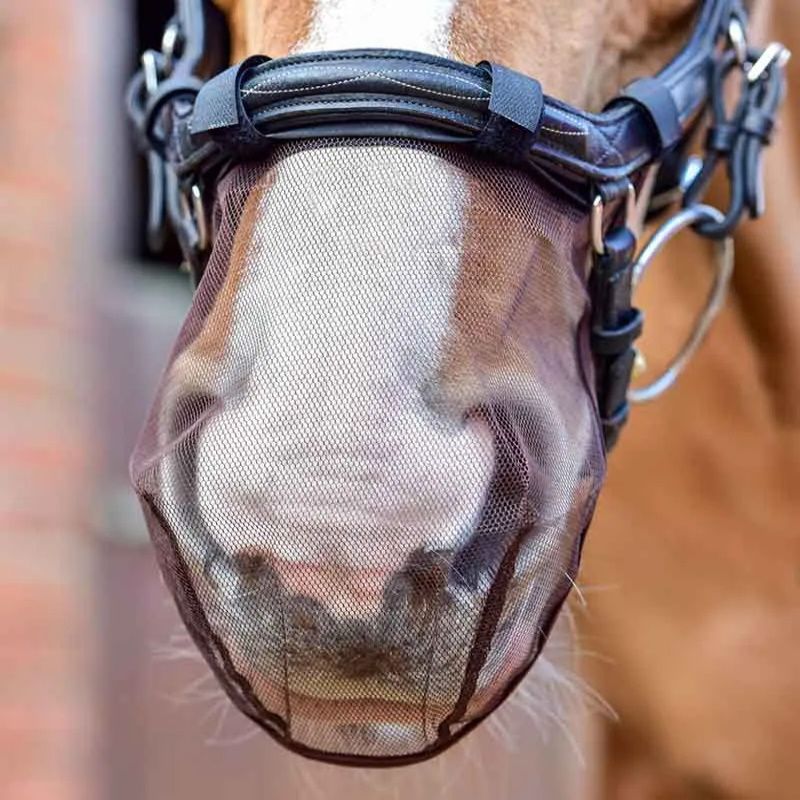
(394, 92)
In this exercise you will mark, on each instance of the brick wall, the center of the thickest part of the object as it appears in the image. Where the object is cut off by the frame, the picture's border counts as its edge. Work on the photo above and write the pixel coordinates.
(45, 653)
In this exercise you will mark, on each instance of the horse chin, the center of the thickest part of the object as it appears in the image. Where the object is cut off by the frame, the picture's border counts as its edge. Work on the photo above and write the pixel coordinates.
(377, 684)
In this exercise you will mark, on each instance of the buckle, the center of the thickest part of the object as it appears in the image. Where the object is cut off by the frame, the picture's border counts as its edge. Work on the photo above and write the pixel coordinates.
(598, 215)
(739, 136)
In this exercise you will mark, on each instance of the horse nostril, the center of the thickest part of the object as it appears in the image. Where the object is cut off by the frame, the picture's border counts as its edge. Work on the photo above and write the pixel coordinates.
(250, 563)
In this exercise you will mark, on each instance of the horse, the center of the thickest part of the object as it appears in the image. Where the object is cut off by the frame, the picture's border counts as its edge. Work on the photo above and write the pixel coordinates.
(583, 53)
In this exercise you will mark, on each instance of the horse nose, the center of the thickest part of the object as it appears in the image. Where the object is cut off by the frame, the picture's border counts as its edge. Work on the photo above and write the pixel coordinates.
(343, 590)
(335, 508)
(357, 595)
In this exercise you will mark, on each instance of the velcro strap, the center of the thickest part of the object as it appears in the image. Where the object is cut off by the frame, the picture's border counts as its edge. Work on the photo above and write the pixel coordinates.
(516, 103)
(218, 110)
(659, 104)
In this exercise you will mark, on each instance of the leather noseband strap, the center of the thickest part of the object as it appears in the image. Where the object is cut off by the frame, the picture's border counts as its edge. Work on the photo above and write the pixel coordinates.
(194, 120)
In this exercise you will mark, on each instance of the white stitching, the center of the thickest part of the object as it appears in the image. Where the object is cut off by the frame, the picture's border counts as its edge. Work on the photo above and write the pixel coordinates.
(386, 72)
(257, 89)
(562, 133)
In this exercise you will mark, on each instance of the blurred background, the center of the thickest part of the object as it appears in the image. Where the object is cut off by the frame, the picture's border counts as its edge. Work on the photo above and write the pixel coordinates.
(88, 704)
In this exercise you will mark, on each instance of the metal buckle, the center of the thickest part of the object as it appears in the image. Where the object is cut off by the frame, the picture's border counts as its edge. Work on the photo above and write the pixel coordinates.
(737, 38)
(184, 207)
(598, 212)
(194, 213)
(737, 135)
(170, 40)
(724, 259)
(774, 53)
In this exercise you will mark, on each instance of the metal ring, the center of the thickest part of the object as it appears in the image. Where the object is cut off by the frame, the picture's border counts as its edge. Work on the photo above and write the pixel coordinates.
(723, 250)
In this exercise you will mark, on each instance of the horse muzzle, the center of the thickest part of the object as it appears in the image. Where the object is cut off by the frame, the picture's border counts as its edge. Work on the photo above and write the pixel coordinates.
(376, 448)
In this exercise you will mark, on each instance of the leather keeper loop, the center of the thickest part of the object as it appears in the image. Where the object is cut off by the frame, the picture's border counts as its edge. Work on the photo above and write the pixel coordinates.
(656, 100)
(721, 138)
(218, 110)
(611, 341)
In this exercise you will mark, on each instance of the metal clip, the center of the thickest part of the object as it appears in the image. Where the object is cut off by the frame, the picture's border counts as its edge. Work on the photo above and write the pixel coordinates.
(737, 37)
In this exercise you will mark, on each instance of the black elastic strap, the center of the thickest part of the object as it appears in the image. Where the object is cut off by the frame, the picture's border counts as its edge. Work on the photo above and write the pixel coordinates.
(516, 103)
(218, 110)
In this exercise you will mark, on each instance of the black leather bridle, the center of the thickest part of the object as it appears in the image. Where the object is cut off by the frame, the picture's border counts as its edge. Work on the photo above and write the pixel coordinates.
(194, 118)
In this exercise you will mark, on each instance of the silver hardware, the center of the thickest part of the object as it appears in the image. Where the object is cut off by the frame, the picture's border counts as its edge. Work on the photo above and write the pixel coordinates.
(169, 44)
(691, 169)
(150, 69)
(738, 39)
(200, 218)
(724, 269)
(193, 207)
(774, 53)
(598, 212)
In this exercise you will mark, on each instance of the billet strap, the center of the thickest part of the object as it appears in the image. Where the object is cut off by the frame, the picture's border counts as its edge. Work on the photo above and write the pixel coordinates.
(616, 325)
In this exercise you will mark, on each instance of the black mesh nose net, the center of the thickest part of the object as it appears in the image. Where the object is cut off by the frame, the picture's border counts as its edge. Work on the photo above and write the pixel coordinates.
(375, 449)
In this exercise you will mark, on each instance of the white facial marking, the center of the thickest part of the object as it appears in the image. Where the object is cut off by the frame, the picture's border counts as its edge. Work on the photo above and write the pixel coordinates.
(327, 450)
(422, 25)
(382, 431)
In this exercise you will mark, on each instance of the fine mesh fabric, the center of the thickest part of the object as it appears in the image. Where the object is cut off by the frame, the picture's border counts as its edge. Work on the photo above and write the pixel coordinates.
(375, 450)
